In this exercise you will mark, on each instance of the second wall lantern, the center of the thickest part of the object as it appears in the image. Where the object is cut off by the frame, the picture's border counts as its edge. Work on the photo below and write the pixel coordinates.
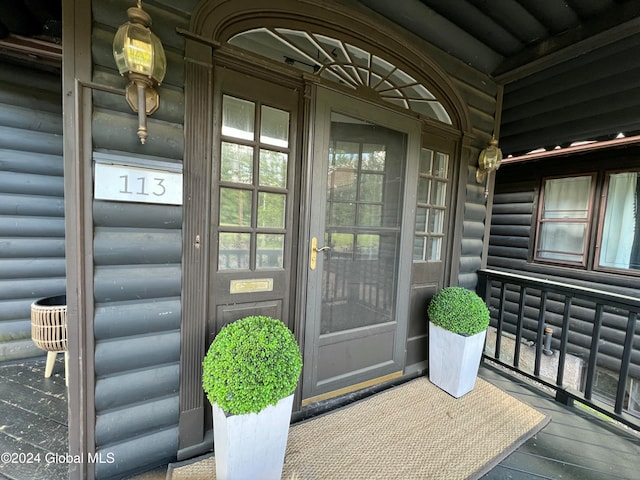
(489, 160)
(139, 56)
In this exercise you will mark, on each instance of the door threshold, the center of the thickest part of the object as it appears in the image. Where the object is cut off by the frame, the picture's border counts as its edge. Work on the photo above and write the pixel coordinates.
(351, 388)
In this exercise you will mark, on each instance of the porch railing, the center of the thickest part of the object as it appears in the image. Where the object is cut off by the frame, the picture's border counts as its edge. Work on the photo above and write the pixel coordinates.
(549, 302)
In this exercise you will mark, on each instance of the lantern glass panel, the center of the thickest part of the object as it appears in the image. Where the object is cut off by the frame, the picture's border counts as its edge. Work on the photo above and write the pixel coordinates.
(138, 50)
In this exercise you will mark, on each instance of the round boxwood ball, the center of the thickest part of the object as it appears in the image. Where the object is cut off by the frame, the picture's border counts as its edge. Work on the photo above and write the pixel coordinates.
(459, 310)
(252, 363)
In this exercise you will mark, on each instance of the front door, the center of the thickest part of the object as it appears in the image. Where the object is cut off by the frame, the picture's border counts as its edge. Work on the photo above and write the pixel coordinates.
(253, 212)
(359, 257)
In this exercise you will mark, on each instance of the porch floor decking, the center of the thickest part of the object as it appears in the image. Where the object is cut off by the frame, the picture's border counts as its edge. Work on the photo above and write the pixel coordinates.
(575, 445)
(33, 421)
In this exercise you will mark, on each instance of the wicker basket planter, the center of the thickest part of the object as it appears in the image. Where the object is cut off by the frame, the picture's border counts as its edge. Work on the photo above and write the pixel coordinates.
(49, 329)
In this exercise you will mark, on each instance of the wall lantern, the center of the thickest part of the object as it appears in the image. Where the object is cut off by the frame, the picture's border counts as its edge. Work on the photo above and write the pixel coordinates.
(139, 55)
(489, 160)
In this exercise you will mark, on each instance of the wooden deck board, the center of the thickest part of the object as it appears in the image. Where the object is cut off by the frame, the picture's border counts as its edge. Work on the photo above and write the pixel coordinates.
(575, 445)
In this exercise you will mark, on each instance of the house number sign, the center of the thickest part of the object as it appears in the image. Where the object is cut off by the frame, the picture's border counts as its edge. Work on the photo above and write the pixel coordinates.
(125, 183)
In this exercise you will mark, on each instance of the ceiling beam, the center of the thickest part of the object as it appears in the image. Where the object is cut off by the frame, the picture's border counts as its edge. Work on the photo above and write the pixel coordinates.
(31, 50)
(590, 35)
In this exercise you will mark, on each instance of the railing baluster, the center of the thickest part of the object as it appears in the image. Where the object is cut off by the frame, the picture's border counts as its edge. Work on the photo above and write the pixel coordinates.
(500, 320)
(626, 360)
(564, 339)
(593, 353)
(540, 338)
(516, 355)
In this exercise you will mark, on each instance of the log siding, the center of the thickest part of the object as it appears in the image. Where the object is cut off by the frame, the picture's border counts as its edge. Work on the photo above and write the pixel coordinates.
(32, 251)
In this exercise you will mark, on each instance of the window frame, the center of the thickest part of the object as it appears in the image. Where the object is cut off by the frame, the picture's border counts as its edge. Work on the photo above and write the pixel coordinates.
(591, 210)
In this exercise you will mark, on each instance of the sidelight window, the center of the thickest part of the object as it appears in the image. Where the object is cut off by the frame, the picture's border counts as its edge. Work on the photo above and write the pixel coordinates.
(431, 206)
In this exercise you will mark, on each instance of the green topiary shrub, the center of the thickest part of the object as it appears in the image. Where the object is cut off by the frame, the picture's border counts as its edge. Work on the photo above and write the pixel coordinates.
(251, 364)
(459, 310)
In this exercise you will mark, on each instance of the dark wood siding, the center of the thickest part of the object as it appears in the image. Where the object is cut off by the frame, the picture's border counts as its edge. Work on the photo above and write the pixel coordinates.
(590, 97)
(31, 201)
(137, 261)
(511, 244)
(511, 223)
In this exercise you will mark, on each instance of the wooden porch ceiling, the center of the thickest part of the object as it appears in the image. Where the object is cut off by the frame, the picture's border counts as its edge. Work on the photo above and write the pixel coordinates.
(567, 66)
(506, 39)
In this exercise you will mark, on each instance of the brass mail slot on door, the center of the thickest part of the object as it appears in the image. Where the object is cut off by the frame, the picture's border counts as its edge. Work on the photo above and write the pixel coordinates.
(251, 286)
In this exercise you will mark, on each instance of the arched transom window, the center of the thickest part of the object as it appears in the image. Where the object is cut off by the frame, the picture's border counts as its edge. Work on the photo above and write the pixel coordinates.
(344, 63)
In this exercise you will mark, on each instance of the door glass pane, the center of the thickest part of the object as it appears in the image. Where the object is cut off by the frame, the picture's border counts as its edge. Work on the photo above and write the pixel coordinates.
(426, 159)
(435, 249)
(371, 187)
(274, 127)
(373, 157)
(421, 219)
(235, 207)
(234, 251)
(273, 169)
(342, 214)
(236, 163)
(439, 193)
(343, 183)
(359, 273)
(436, 223)
(341, 244)
(441, 166)
(419, 251)
(431, 200)
(345, 155)
(367, 246)
(424, 188)
(238, 117)
(370, 215)
(269, 250)
(271, 207)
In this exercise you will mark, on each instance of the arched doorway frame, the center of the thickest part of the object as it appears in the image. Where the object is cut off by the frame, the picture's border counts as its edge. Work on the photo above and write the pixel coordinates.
(219, 20)
(213, 23)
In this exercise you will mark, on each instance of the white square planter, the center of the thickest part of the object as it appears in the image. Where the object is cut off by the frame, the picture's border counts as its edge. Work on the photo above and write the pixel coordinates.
(252, 446)
(454, 359)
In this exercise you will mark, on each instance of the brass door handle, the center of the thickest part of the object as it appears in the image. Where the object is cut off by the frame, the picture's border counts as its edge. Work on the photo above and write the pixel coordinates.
(313, 257)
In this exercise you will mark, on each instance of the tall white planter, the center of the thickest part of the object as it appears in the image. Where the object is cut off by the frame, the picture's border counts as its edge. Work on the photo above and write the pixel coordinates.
(454, 359)
(252, 446)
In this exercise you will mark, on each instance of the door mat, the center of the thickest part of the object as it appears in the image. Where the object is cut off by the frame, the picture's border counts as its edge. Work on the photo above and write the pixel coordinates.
(413, 431)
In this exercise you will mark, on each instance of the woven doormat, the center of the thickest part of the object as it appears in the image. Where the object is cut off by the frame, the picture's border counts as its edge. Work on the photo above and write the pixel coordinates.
(414, 431)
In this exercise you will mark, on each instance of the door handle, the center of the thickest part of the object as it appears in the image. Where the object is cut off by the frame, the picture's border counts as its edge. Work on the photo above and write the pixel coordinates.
(313, 257)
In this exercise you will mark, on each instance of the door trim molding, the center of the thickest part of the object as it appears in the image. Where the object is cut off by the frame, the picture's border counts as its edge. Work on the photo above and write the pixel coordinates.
(195, 245)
